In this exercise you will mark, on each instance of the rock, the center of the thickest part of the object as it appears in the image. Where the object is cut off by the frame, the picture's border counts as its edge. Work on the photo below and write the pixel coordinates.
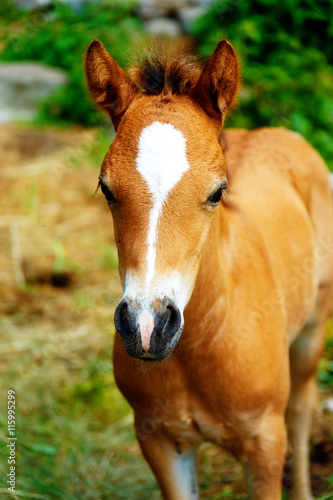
(23, 85)
(328, 405)
(150, 9)
(172, 4)
(189, 15)
(46, 4)
(30, 4)
(147, 9)
(163, 26)
(203, 3)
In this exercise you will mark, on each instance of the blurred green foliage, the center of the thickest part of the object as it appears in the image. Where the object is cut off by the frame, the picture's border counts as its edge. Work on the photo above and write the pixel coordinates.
(325, 371)
(59, 35)
(286, 48)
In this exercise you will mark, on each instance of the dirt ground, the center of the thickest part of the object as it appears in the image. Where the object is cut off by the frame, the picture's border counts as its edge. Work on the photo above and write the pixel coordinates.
(58, 274)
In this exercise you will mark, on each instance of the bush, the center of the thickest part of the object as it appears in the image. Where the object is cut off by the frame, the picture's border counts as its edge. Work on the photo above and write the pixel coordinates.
(58, 35)
(286, 49)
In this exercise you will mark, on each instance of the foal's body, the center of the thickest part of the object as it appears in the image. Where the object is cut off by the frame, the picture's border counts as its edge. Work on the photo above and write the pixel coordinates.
(265, 278)
(215, 294)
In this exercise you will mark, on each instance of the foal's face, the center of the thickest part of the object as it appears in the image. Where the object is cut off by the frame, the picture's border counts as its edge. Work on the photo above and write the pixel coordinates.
(163, 178)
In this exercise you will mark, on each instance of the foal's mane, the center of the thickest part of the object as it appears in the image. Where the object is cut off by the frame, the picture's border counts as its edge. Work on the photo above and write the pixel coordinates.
(163, 70)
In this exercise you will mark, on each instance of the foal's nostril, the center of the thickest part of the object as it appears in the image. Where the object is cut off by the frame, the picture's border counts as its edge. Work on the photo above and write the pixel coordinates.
(174, 317)
(169, 319)
(121, 318)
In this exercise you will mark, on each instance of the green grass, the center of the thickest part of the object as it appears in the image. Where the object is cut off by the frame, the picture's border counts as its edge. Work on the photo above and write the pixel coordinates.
(75, 437)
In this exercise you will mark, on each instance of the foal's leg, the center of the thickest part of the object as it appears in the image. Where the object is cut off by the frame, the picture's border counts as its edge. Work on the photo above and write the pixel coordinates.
(175, 470)
(263, 458)
(304, 356)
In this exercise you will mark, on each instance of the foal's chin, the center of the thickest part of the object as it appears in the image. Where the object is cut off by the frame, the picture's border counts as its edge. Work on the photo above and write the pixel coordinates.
(160, 349)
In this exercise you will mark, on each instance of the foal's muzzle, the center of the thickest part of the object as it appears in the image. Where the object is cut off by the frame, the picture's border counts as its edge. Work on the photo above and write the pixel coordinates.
(149, 332)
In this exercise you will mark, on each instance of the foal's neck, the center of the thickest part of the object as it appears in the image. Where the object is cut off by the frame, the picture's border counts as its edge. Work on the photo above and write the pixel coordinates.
(209, 299)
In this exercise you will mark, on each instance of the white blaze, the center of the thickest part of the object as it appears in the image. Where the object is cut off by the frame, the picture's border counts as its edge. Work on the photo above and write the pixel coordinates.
(162, 162)
(146, 324)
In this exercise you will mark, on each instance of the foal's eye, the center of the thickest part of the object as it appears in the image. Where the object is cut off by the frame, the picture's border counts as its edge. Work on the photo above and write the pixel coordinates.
(107, 193)
(215, 198)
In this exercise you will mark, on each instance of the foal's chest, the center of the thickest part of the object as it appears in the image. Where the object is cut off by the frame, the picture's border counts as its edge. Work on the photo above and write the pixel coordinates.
(186, 411)
(189, 424)
(190, 430)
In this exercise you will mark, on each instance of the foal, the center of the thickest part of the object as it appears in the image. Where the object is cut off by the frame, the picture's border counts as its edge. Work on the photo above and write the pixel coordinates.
(225, 257)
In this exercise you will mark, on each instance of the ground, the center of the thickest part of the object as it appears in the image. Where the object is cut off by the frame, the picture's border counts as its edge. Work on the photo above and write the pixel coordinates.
(58, 290)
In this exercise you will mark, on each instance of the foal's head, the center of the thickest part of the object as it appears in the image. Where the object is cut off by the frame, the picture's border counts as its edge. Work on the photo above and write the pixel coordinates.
(163, 178)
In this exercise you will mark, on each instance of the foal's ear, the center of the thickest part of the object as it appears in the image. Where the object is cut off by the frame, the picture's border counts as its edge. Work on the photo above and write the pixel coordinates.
(111, 88)
(218, 84)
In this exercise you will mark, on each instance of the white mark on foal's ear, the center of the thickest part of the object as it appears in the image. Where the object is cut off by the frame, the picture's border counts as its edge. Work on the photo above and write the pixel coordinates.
(161, 161)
